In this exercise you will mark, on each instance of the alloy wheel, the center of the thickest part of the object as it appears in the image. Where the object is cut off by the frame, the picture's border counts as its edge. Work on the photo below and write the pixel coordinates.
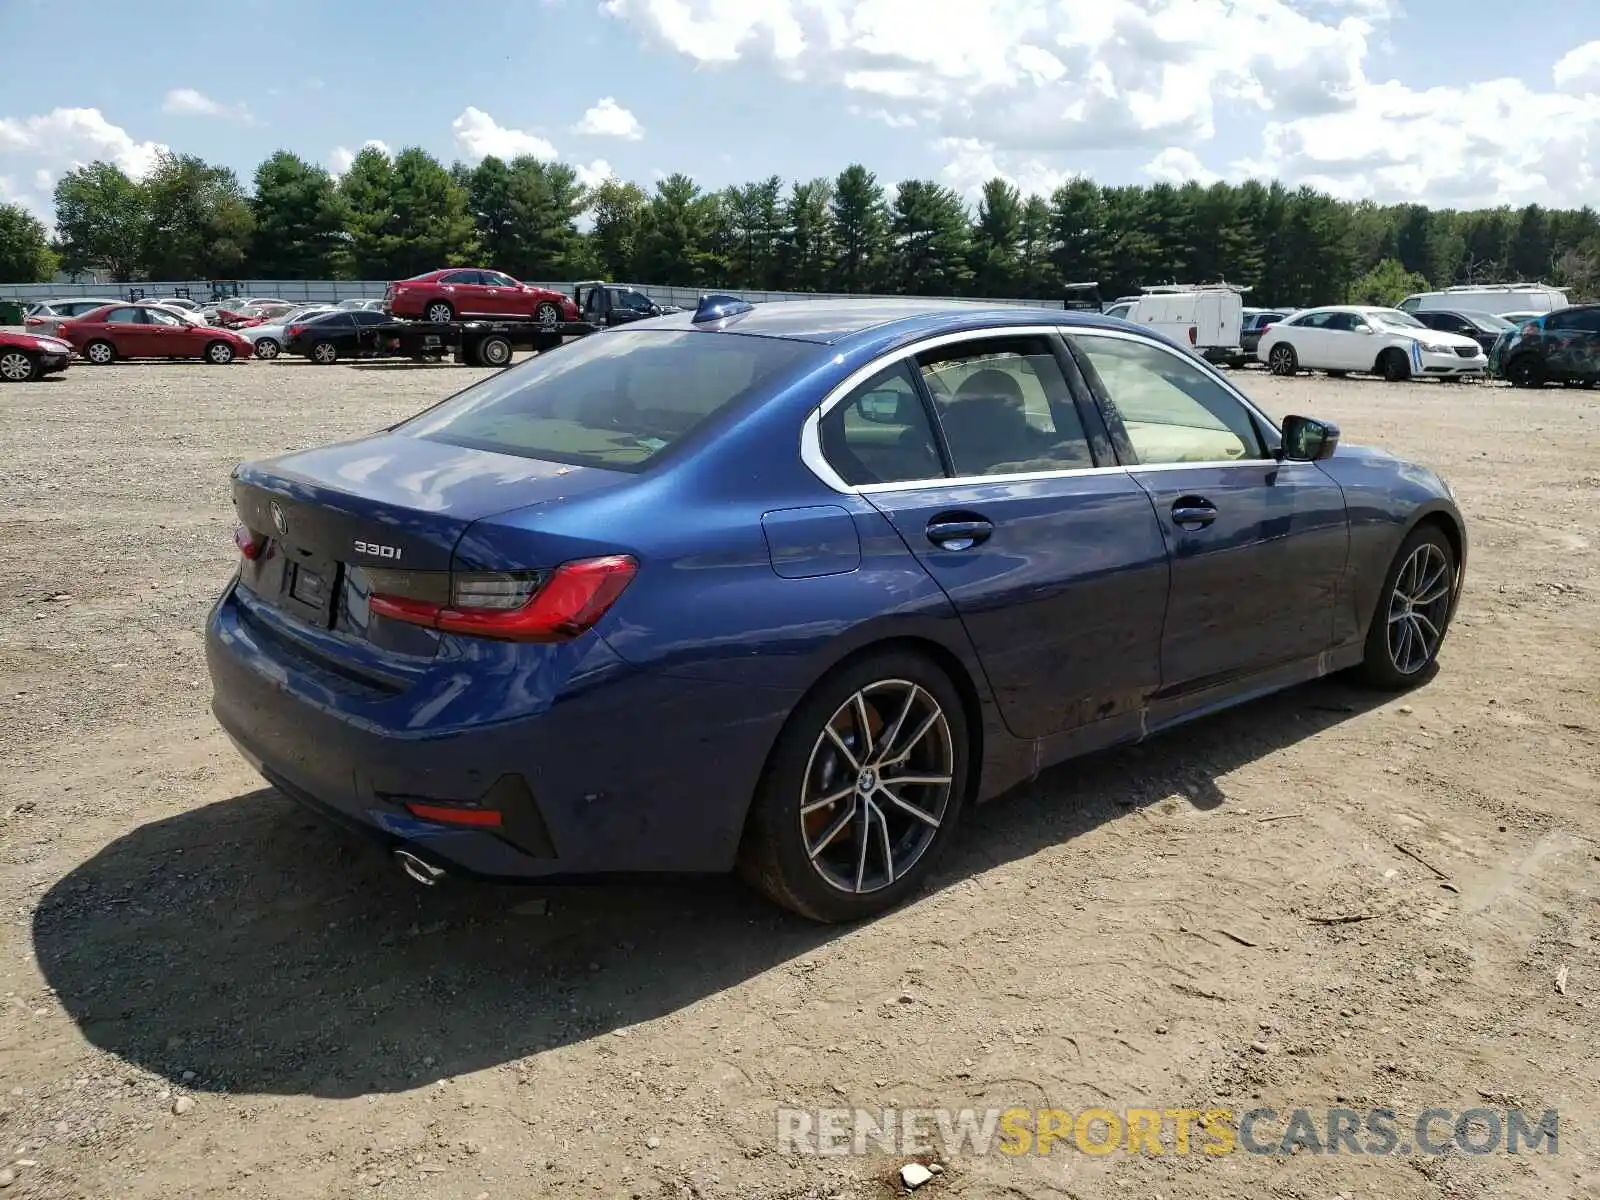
(220, 353)
(877, 786)
(547, 313)
(267, 348)
(439, 313)
(1282, 360)
(16, 367)
(99, 353)
(1418, 607)
(324, 353)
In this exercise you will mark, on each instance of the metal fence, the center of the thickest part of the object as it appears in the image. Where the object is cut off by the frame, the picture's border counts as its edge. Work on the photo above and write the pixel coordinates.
(330, 291)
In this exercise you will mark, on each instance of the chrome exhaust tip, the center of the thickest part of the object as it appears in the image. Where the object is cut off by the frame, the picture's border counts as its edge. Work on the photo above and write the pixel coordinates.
(420, 871)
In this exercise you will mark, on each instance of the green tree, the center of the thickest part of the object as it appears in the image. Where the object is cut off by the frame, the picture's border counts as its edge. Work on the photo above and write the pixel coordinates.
(1386, 284)
(996, 239)
(931, 239)
(488, 187)
(546, 200)
(677, 230)
(755, 228)
(1035, 272)
(1530, 251)
(101, 216)
(25, 254)
(1077, 219)
(433, 226)
(615, 241)
(368, 191)
(807, 242)
(860, 230)
(198, 220)
(300, 221)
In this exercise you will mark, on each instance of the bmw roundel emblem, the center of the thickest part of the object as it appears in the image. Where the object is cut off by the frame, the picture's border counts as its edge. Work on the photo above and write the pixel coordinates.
(278, 519)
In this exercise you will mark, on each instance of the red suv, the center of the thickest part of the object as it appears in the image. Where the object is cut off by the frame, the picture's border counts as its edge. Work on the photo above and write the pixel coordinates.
(469, 292)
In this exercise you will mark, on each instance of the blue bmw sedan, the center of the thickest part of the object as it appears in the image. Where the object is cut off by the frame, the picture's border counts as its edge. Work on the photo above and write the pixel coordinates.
(784, 587)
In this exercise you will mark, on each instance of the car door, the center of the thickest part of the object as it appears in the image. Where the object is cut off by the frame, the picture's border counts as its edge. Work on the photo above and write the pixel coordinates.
(1344, 348)
(166, 336)
(1572, 344)
(466, 292)
(1258, 547)
(1309, 338)
(501, 295)
(364, 322)
(628, 305)
(125, 329)
(1051, 555)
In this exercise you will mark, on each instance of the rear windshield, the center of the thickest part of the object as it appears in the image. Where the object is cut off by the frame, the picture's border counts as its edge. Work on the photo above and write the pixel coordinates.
(613, 400)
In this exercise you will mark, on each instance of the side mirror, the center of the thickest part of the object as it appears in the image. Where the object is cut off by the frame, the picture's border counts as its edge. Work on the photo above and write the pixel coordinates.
(1363, 328)
(1308, 440)
(881, 408)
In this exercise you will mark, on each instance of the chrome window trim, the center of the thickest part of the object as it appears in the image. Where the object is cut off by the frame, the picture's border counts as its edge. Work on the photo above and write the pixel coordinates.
(811, 438)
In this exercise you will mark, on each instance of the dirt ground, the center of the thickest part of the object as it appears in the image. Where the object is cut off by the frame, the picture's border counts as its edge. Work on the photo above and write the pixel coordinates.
(205, 993)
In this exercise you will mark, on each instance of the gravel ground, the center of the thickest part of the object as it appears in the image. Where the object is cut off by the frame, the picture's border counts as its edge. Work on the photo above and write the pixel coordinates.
(1326, 898)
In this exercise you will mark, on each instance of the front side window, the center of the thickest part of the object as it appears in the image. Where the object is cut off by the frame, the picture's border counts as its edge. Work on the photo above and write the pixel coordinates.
(1311, 320)
(1005, 407)
(125, 316)
(613, 400)
(880, 433)
(1392, 318)
(635, 301)
(495, 279)
(1341, 322)
(1173, 411)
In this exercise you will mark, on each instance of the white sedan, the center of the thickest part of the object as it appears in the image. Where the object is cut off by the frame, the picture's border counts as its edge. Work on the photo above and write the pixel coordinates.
(269, 338)
(1341, 338)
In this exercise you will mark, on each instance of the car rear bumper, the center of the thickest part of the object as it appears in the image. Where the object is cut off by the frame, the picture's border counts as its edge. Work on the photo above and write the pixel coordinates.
(630, 772)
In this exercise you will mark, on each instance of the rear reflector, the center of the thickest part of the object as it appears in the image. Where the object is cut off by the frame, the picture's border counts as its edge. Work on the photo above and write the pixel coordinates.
(250, 542)
(481, 818)
(527, 607)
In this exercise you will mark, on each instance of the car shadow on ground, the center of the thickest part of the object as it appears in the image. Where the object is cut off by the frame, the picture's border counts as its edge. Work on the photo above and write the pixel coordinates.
(252, 945)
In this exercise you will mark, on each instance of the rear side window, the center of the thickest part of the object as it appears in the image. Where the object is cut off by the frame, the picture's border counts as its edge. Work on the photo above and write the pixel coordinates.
(880, 433)
(1005, 407)
(614, 400)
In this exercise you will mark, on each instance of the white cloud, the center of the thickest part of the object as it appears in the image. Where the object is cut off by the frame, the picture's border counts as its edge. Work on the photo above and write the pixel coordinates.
(186, 102)
(595, 173)
(609, 119)
(478, 136)
(1176, 165)
(341, 157)
(1578, 70)
(1029, 86)
(973, 163)
(44, 147)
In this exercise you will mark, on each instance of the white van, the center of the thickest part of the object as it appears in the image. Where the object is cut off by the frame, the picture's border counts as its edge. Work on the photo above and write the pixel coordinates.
(1207, 316)
(1493, 298)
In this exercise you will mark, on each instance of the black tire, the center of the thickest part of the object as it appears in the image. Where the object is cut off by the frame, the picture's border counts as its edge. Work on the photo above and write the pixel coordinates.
(547, 313)
(1384, 665)
(324, 354)
(1282, 359)
(18, 366)
(219, 354)
(1525, 371)
(100, 353)
(268, 348)
(1393, 365)
(439, 311)
(494, 351)
(774, 857)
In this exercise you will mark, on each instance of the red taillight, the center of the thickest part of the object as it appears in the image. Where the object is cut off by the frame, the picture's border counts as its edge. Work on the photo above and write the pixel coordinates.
(293, 331)
(1193, 339)
(250, 542)
(515, 607)
(449, 815)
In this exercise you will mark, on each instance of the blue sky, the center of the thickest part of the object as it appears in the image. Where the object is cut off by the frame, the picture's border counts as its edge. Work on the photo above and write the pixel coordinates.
(1396, 99)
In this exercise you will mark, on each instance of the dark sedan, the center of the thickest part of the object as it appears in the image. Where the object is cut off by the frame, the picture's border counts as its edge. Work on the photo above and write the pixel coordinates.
(328, 337)
(1256, 322)
(786, 587)
(1483, 328)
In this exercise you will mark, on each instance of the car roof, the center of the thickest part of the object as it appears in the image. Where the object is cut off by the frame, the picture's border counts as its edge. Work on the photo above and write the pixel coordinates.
(835, 319)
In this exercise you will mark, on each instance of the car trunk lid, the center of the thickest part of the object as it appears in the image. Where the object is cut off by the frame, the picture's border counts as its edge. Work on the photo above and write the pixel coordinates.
(317, 525)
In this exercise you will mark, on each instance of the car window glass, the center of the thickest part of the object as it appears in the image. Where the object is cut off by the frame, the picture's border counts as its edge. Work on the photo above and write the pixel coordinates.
(880, 433)
(460, 277)
(637, 301)
(1173, 410)
(494, 279)
(1312, 320)
(154, 316)
(368, 317)
(1341, 322)
(1005, 407)
(125, 316)
(1585, 320)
